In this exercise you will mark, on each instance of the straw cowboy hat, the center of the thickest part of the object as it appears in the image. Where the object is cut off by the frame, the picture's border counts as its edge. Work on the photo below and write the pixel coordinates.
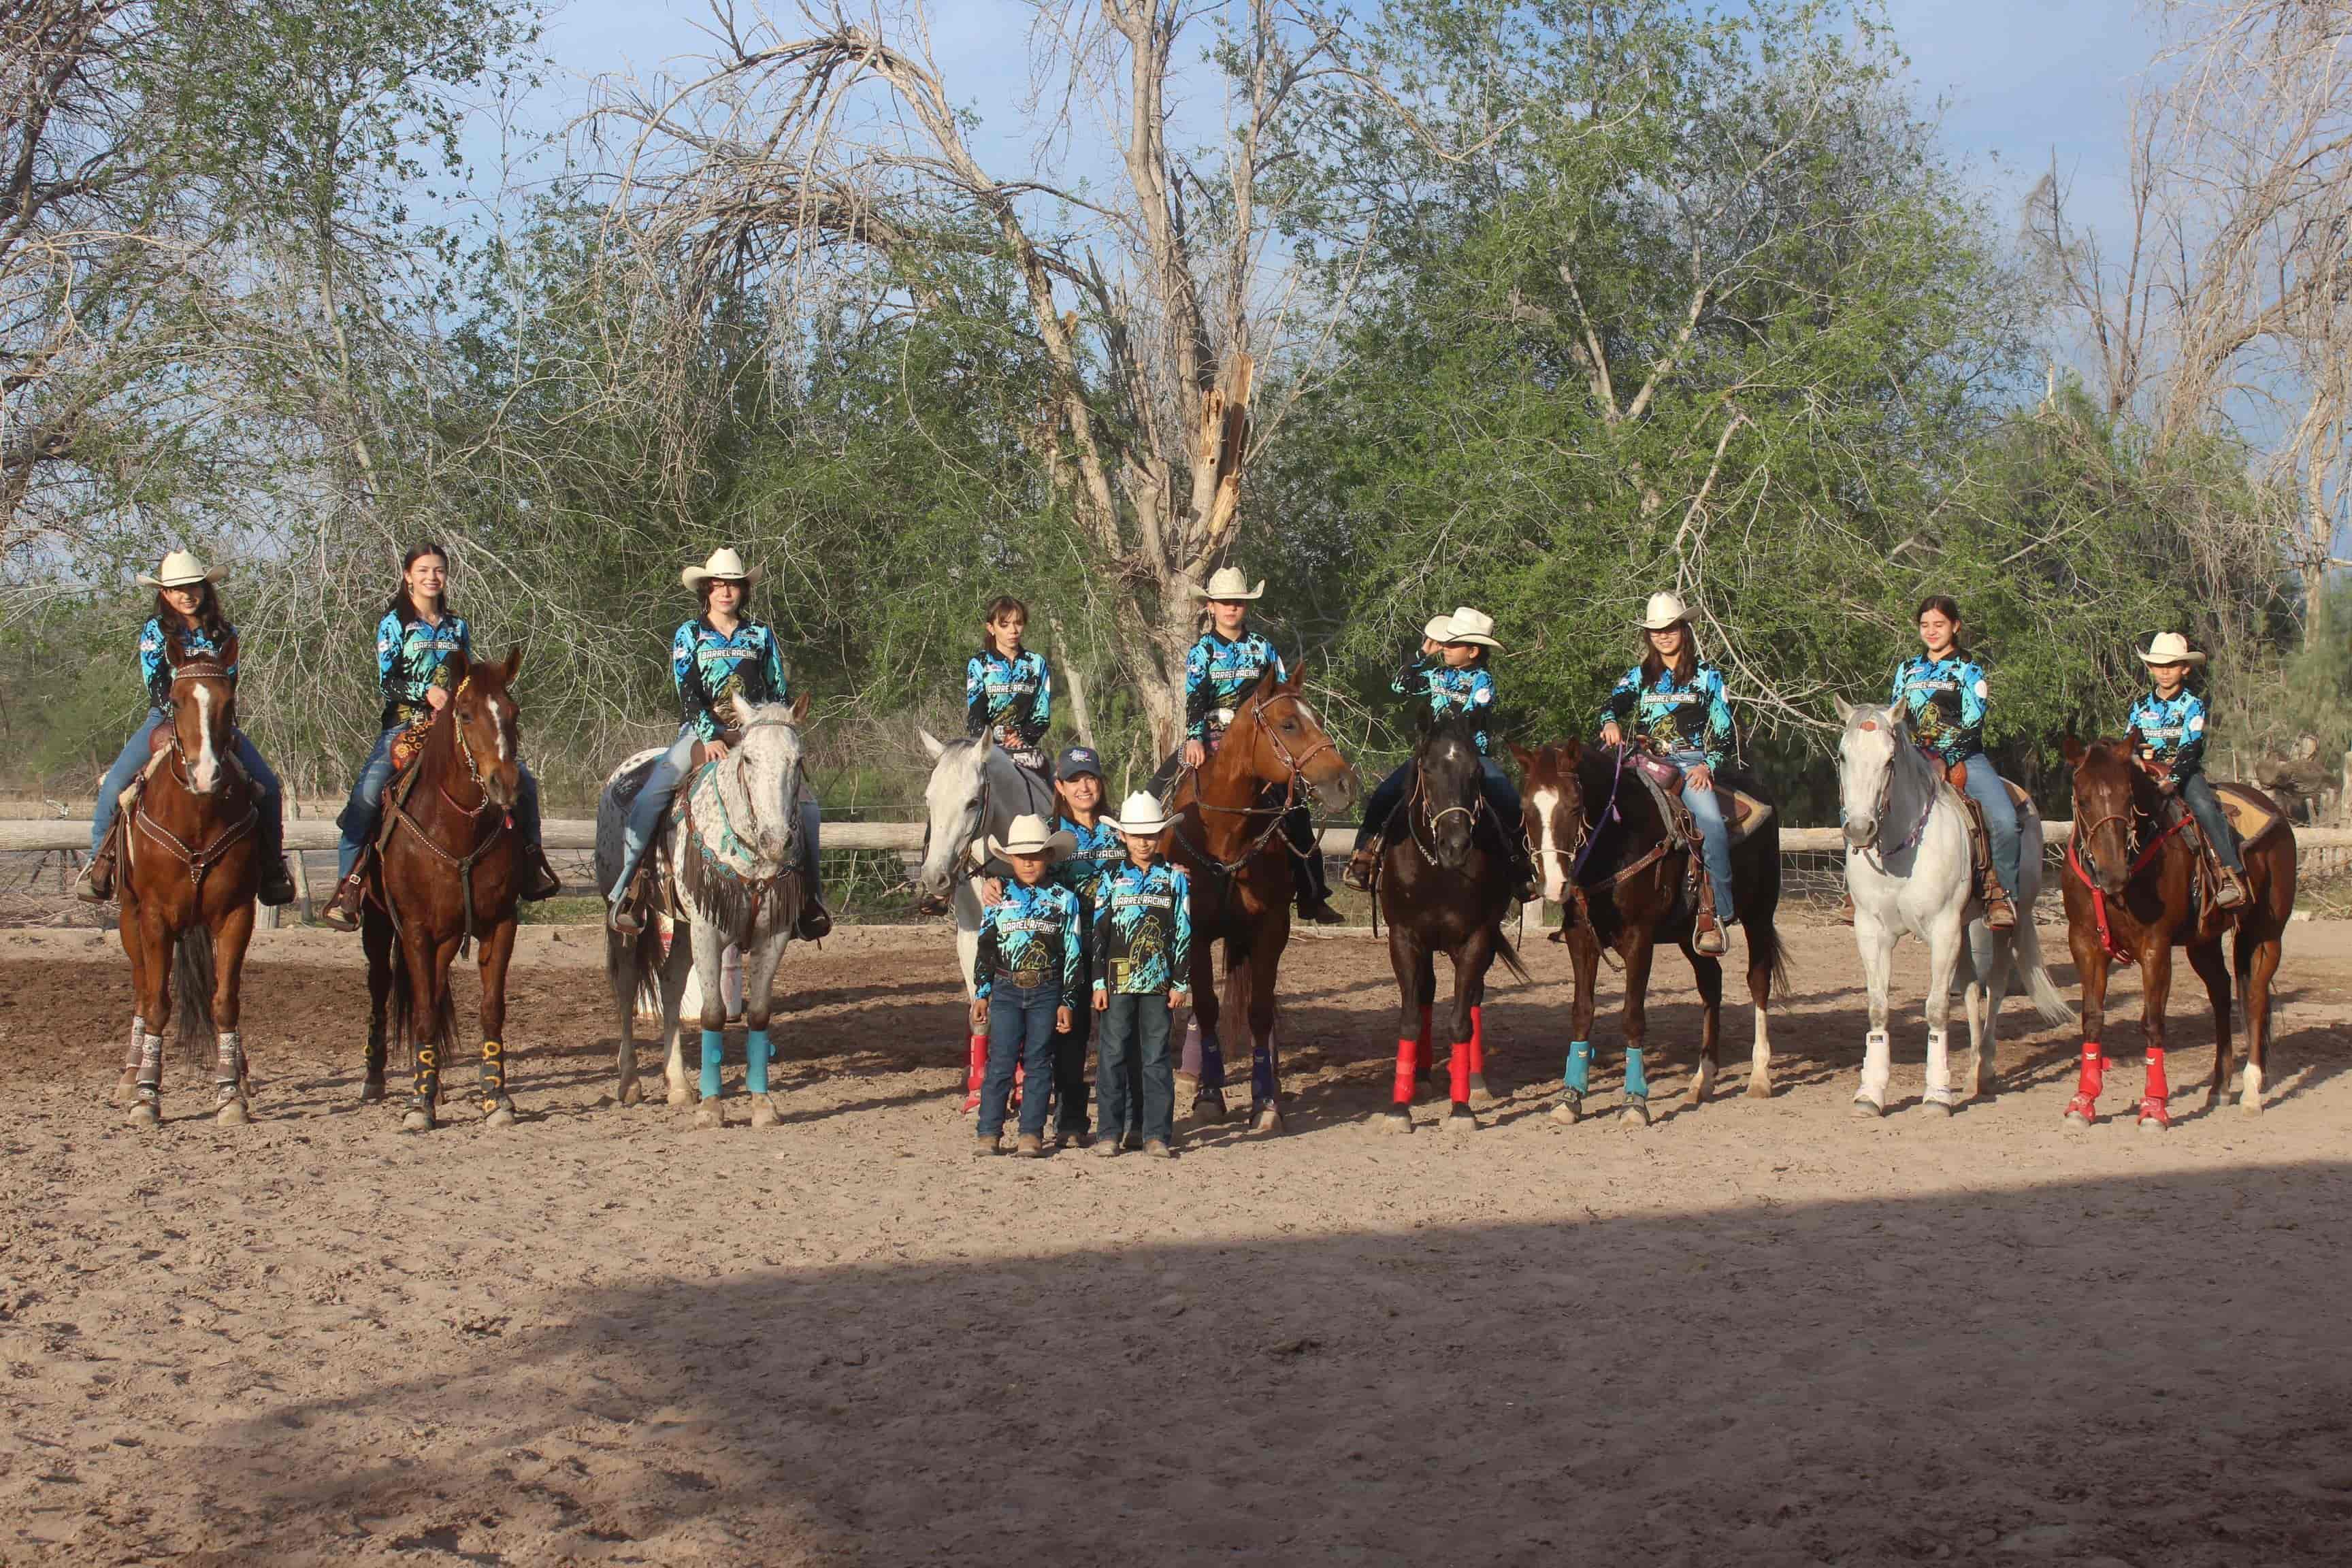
(1142, 816)
(2170, 648)
(1466, 625)
(724, 566)
(1663, 610)
(180, 569)
(1030, 836)
(1227, 582)
(1440, 628)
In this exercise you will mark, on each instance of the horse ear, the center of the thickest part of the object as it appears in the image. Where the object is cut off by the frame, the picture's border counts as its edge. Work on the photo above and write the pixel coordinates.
(514, 662)
(2071, 750)
(229, 653)
(1846, 710)
(1897, 719)
(1571, 752)
(800, 709)
(1297, 675)
(458, 666)
(1527, 759)
(932, 747)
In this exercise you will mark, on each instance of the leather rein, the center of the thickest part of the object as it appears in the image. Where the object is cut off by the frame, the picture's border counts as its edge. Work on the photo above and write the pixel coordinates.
(2078, 841)
(483, 841)
(1298, 767)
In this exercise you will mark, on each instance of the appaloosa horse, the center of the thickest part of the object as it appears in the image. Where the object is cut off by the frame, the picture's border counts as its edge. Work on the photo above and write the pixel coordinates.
(1625, 879)
(1228, 837)
(2132, 896)
(446, 876)
(734, 848)
(191, 866)
(1445, 885)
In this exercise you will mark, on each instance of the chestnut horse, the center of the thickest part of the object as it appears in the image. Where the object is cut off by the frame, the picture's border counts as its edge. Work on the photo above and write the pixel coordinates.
(2130, 890)
(191, 869)
(447, 875)
(1620, 870)
(1228, 837)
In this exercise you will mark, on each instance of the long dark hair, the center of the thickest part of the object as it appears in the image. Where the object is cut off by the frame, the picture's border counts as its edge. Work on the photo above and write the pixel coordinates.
(1949, 607)
(208, 618)
(1686, 657)
(402, 604)
(743, 605)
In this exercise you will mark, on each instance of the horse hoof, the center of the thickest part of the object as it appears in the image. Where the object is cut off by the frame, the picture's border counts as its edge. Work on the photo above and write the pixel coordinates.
(2078, 1119)
(1937, 1109)
(2251, 1104)
(126, 1088)
(1399, 1120)
(503, 1116)
(1635, 1114)
(144, 1114)
(1266, 1119)
(371, 1093)
(416, 1121)
(1867, 1110)
(1479, 1093)
(1210, 1106)
(707, 1114)
(1759, 1088)
(632, 1093)
(232, 1113)
(1568, 1112)
(2151, 1124)
(763, 1112)
(681, 1096)
(1462, 1119)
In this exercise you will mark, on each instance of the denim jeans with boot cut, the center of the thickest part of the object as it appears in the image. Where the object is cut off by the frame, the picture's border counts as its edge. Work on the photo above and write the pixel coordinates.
(1134, 1034)
(1020, 1029)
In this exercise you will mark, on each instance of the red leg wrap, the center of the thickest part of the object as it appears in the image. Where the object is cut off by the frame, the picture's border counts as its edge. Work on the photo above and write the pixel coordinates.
(1406, 1050)
(2087, 1086)
(975, 1068)
(1458, 1060)
(2153, 1104)
(1478, 1040)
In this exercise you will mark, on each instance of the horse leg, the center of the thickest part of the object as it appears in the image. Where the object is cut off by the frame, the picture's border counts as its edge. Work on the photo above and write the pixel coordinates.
(1990, 953)
(231, 1104)
(1423, 1043)
(1874, 941)
(495, 951)
(154, 1005)
(1576, 1079)
(1208, 1064)
(1708, 972)
(1943, 959)
(2156, 991)
(1470, 961)
(677, 968)
(759, 965)
(1265, 1063)
(2206, 959)
(624, 967)
(376, 938)
(2091, 963)
(126, 1088)
(1640, 951)
(709, 957)
(1759, 996)
(424, 1021)
(2255, 987)
(1407, 960)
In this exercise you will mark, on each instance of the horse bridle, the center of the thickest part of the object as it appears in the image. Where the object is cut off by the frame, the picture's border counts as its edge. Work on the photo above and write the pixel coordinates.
(1886, 803)
(195, 669)
(198, 859)
(1298, 767)
(1423, 816)
(2080, 841)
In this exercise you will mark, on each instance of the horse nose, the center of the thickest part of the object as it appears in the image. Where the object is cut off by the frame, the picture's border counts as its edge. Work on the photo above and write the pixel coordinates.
(1860, 831)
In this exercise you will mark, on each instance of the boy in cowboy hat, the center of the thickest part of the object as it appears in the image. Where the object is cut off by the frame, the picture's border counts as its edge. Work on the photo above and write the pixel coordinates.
(1220, 671)
(1024, 979)
(1008, 692)
(717, 660)
(1450, 673)
(2167, 727)
(1143, 947)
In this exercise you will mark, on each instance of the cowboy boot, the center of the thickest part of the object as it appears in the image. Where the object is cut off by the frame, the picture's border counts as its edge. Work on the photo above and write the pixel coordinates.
(277, 883)
(1314, 893)
(626, 917)
(539, 879)
(814, 924)
(96, 883)
(1363, 865)
(1706, 937)
(2000, 913)
(344, 910)
(2230, 891)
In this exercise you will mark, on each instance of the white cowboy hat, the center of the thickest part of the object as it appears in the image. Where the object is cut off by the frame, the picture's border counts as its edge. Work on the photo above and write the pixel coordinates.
(1663, 610)
(1030, 836)
(1439, 630)
(724, 565)
(179, 569)
(1466, 625)
(2170, 648)
(1228, 582)
(1142, 816)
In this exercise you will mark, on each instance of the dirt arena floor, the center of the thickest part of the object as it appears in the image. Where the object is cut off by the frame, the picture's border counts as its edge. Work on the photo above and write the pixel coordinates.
(1756, 1333)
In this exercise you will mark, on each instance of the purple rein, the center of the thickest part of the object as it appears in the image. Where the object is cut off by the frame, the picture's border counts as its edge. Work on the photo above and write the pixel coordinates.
(1608, 811)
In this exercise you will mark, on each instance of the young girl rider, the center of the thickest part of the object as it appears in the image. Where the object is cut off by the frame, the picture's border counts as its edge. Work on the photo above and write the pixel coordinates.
(1676, 700)
(1944, 693)
(1218, 673)
(717, 660)
(1449, 673)
(2167, 727)
(1008, 692)
(187, 619)
(413, 645)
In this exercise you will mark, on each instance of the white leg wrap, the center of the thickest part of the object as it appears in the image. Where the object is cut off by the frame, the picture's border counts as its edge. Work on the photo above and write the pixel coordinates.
(1939, 1068)
(151, 1068)
(1876, 1065)
(229, 1069)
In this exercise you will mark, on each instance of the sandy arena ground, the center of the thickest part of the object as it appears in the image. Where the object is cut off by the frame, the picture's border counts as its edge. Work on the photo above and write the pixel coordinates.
(1758, 1333)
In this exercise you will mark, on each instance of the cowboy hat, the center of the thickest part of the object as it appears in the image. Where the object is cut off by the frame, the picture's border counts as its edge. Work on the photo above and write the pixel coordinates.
(1227, 582)
(1030, 836)
(2170, 648)
(724, 566)
(1440, 628)
(180, 569)
(1663, 610)
(1140, 816)
(1466, 625)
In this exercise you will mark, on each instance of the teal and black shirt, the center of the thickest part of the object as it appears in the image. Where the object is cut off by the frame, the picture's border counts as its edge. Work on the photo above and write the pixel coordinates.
(1690, 715)
(1469, 689)
(1143, 931)
(715, 670)
(156, 655)
(2170, 730)
(1945, 701)
(1031, 930)
(410, 659)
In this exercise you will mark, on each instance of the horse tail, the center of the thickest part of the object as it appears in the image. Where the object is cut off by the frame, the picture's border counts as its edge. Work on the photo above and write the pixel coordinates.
(192, 980)
(2026, 944)
(1510, 957)
(1764, 944)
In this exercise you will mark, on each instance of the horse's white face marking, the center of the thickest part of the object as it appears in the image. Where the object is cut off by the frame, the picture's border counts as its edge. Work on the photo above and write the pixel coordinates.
(206, 774)
(1555, 879)
(499, 726)
(951, 802)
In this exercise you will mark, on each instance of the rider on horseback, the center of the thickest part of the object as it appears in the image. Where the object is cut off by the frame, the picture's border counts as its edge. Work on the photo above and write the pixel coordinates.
(413, 645)
(1944, 693)
(1674, 700)
(1220, 671)
(716, 659)
(188, 613)
(1008, 692)
(2168, 740)
(1449, 671)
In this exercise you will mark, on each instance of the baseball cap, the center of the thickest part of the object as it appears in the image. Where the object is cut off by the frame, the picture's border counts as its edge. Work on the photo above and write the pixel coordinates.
(1077, 762)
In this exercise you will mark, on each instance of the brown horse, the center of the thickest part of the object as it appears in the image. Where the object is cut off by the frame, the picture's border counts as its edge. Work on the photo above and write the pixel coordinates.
(192, 865)
(447, 875)
(1228, 837)
(1620, 873)
(2131, 897)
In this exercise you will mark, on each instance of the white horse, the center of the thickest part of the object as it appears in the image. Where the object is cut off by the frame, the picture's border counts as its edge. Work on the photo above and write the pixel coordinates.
(976, 789)
(734, 882)
(1908, 868)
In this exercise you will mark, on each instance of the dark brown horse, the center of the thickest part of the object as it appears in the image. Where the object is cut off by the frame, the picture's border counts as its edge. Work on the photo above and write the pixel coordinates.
(1623, 878)
(2131, 897)
(191, 866)
(1446, 884)
(448, 876)
(1228, 837)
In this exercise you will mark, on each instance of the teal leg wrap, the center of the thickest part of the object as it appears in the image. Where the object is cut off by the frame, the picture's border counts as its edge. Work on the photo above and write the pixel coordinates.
(755, 1061)
(712, 1041)
(1637, 1082)
(1578, 1079)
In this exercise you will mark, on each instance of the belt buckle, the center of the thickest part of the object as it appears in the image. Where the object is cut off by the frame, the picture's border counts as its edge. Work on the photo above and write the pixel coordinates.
(1028, 979)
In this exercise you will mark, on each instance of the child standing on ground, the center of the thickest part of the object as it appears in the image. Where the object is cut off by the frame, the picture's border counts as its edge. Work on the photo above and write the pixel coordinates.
(1142, 956)
(1024, 980)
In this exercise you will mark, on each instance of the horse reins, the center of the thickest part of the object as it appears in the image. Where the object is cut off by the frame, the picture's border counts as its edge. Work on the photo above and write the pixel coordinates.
(1298, 767)
(484, 842)
(1422, 815)
(2077, 840)
(1885, 801)
(202, 858)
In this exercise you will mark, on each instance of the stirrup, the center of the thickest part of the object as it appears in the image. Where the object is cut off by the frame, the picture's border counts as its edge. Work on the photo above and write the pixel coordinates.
(2230, 891)
(342, 911)
(96, 883)
(814, 924)
(1362, 866)
(1709, 930)
(2000, 913)
(540, 878)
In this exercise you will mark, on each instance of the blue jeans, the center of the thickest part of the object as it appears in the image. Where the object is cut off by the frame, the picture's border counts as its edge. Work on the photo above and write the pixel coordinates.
(1714, 837)
(2197, 790)
(1020, 1029)
(1984, 787)
(645, 814)
(363, 813)
(272, 800)
(1502, 799)
(1134, 1034)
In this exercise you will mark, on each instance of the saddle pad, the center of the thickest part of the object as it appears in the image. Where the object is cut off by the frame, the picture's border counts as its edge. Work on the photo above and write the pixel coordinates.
(2017, 796)
(2250, 812)
(1743, 812)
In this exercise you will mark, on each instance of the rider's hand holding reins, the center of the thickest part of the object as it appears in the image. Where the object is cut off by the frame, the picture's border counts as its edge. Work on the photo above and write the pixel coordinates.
(1701, 777)
(714, 750)
(1611, 735)
(436, 698)
(1195, 754)
(1061, 1020)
